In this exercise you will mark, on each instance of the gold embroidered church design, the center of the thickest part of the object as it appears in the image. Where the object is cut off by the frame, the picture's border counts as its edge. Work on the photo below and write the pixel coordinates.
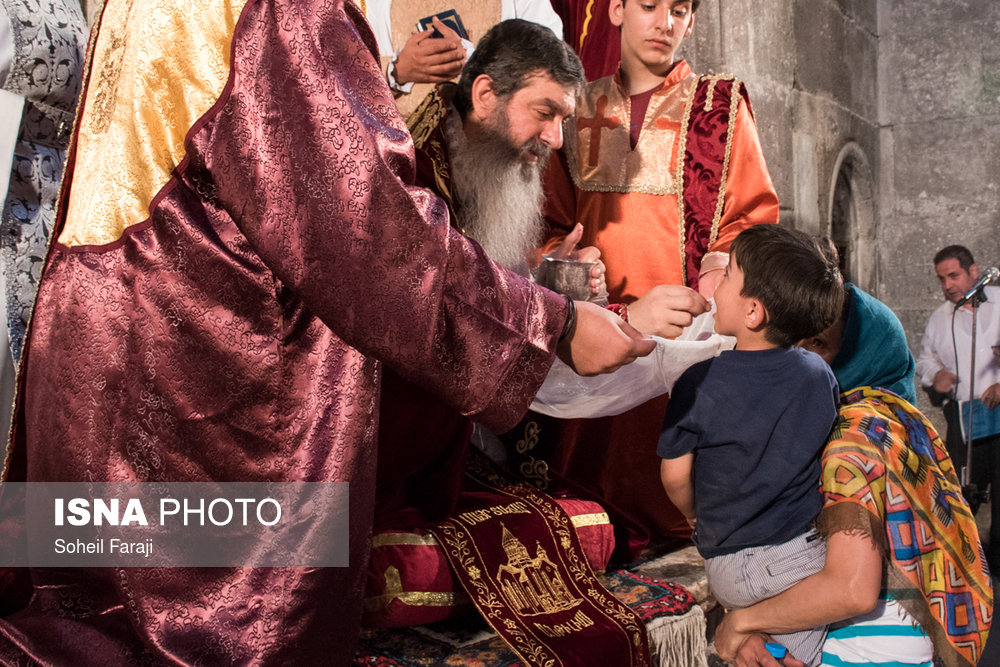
(531, 586)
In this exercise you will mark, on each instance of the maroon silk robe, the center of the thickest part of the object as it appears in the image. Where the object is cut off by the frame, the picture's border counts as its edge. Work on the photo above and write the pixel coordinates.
(239, 249)
(423, 440)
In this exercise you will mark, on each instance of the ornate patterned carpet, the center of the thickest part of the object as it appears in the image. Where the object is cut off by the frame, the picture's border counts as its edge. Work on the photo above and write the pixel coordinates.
(676, 627)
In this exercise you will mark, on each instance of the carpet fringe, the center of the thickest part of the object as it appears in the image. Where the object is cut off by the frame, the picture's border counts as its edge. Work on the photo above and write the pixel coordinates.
(679, 641)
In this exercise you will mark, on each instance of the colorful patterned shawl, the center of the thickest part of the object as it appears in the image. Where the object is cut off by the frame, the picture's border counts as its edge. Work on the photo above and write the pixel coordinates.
(886, 472)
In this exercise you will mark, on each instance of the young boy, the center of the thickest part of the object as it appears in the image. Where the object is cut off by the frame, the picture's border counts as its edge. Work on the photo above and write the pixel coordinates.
(752, 422)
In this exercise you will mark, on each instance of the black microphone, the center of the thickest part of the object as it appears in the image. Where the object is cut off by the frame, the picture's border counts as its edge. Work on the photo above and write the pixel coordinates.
(990, 276)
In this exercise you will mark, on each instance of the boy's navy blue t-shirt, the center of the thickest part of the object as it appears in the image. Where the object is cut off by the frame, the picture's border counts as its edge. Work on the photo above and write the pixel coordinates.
(757, 422)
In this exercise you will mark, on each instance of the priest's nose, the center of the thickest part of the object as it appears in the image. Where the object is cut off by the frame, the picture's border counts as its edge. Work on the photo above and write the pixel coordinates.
(552, 135)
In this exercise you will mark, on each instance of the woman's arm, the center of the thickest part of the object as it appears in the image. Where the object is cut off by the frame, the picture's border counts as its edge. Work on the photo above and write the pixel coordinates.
(849, 584)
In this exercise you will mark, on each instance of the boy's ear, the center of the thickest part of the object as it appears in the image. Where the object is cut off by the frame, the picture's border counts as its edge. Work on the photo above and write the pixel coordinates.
(755, 318)
(484, 98)
(615, 10)
(690, 28)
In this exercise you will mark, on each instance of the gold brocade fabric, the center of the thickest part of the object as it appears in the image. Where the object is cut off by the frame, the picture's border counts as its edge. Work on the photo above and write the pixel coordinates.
(598, 150)
(425, 127)
(146, 91)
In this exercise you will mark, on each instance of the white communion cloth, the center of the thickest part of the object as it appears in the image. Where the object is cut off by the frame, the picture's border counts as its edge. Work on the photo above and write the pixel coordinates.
(566, 395)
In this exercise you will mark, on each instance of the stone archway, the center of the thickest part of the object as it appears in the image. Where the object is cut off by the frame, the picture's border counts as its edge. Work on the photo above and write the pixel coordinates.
(852, 217)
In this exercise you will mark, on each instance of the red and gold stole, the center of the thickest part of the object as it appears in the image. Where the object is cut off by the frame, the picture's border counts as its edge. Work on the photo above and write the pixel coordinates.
(706, 141)
(519, 559)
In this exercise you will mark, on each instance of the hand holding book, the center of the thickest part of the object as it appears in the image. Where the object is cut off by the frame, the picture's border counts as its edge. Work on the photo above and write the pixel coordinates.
(428, 59)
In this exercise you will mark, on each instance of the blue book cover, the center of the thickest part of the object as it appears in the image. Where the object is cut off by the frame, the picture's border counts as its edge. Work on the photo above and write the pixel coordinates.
(984, 421)
(450, 18)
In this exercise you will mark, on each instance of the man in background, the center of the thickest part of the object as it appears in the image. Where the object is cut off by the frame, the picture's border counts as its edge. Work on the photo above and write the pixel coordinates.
(947, 379)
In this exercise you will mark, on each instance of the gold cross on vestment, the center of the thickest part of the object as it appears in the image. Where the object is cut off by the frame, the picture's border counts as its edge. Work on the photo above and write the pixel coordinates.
(595, 124)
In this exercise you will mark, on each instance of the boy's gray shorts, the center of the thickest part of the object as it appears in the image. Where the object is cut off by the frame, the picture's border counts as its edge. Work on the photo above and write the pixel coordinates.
(748, 576)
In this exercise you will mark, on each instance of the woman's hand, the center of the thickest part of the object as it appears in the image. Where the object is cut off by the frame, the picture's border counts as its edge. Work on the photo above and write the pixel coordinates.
(848, 585)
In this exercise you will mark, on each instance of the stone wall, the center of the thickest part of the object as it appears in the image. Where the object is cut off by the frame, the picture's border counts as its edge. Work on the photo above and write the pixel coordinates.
(939, 99)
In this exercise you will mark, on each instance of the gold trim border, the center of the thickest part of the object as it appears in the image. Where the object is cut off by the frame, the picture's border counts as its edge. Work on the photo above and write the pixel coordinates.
(682, 150)
(734, 107)
(584, 520)
(679, 178)
(403, 539)
(394, 591)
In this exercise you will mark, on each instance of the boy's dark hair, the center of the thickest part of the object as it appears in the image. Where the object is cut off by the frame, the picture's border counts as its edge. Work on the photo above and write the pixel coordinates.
(959, 252)
(797, 283)
(512, 52)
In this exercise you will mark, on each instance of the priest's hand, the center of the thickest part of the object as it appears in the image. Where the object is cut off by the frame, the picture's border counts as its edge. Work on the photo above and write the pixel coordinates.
(598, 287)
(666, 309)
(426, 59)
(601, 342)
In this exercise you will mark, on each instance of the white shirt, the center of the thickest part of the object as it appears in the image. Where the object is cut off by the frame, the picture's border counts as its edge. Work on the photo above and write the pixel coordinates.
(937, 351)
(379, 16)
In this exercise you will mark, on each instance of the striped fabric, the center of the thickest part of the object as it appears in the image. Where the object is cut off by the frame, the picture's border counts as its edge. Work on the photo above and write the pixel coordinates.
(885, 637)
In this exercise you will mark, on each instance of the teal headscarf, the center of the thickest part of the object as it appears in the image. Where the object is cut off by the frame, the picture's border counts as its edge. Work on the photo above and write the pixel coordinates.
(873, 350)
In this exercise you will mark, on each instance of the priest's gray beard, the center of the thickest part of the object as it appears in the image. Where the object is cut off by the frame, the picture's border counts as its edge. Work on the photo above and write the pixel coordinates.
(498, 195)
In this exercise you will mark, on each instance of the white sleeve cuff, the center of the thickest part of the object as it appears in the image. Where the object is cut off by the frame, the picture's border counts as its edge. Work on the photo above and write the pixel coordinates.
(390, 77)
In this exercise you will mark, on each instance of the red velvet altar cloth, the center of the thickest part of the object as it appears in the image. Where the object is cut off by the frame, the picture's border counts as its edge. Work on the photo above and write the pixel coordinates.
(519, 559)
(243, 246)
(410, 581)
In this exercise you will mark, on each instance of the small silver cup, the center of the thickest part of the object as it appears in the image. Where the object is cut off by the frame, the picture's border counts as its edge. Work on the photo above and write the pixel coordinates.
(567, 276)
